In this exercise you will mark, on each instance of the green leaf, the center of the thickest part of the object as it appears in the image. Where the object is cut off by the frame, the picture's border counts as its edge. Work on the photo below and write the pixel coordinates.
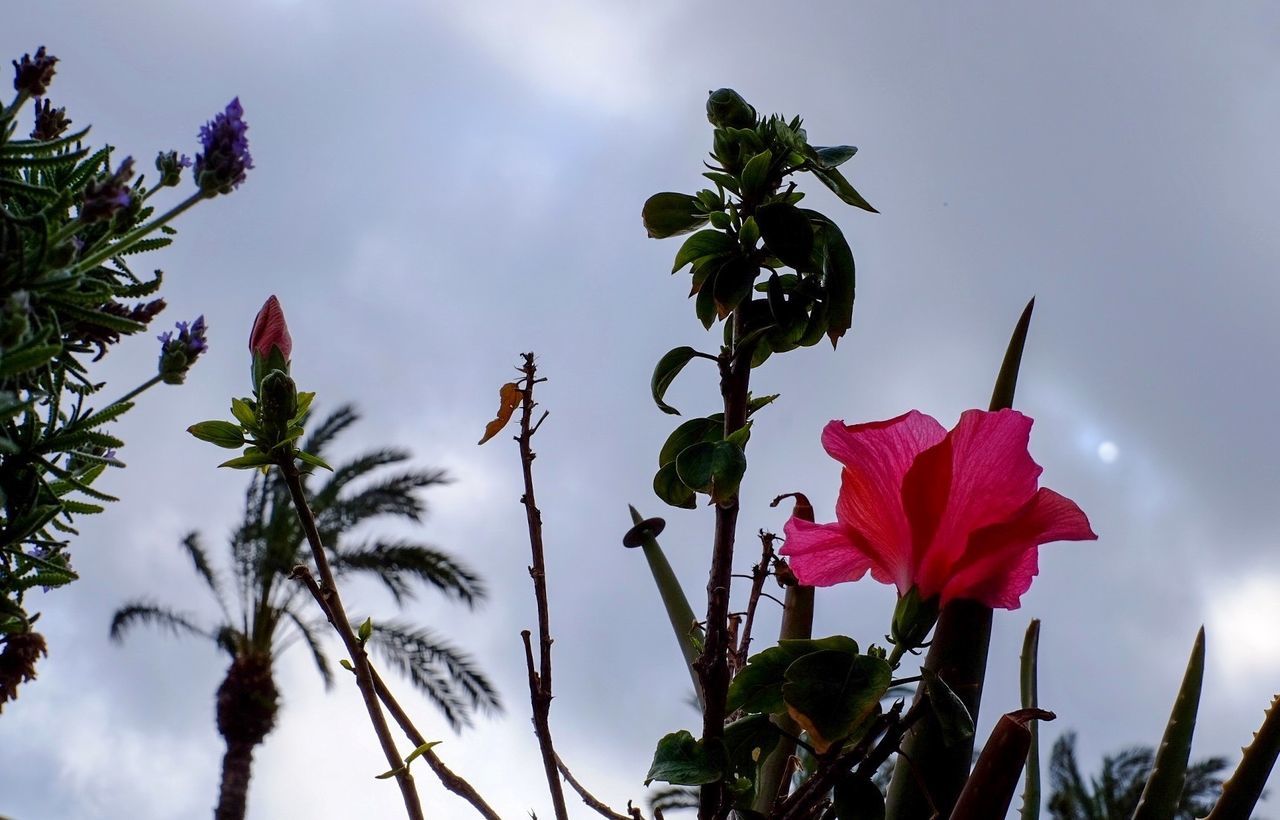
(705, 306)
(669, 366)
(740, 437)
(857, 798)
(221, 433)
(733, 284)
(248, 461)
(754, 404)
(828, 158)
(668, 487)
(755, 174)
(401, 769)
(313, 460)
(682, 761)
(304, 404)
(787, 233)
(365, 630)
(832, 693)
(953, 716)
(701, 245)
(421, 750)
(840, 186)
(243, 413)
(758, 686)
(670, 214)
(687, 434)
(838, 281)
(346, 664)
(714, 468)
(749, 741)
(27, 358)
(1164, 787)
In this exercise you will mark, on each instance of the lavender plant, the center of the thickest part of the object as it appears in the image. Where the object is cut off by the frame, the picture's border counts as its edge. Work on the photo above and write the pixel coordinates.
(71, 220)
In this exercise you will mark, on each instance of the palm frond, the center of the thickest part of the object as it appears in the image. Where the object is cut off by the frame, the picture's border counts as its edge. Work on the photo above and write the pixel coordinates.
(200, 559)
(672, 798)
(142, 612)
(307, 631)
(444, 674)
(346, 473)
(325, 431)
(395, 496)
(398, 563)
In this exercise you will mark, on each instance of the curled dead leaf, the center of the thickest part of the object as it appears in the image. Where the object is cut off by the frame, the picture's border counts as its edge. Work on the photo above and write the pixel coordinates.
(509, 399)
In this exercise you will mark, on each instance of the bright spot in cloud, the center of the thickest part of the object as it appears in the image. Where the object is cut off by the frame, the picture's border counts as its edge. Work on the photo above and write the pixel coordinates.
(1242, 620)
(1108, 452)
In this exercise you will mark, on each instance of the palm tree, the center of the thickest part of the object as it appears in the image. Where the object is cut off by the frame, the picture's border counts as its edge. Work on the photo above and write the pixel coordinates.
(267, 612)
(1114, 794)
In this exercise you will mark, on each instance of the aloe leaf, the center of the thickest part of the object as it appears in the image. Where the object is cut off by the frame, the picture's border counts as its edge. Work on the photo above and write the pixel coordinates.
(1160, 797)
(1007, 380)
(1243, 789)
(1030, 700)
(683, 622)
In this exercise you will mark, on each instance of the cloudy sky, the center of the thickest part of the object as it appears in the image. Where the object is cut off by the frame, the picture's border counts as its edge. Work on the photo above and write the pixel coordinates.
(440, 186)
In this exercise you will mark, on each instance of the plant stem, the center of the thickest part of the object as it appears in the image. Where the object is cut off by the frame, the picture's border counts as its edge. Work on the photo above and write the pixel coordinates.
(137, 391)
(123, 243)
(539, 677)
(331, 602)
(713, 665)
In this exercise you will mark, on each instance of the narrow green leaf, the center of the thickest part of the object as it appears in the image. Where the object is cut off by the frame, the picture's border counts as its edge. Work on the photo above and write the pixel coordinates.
(840, 186)
(248, 461)
(421, 750)
(1160, 796)
(222, 433)
(313, 460)
(365, 630)
(838, 277)
(23, 359)
(669, 366)
(398, 770)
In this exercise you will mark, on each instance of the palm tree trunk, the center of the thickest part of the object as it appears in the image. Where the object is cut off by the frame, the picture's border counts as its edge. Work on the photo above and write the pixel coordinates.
(234, 793)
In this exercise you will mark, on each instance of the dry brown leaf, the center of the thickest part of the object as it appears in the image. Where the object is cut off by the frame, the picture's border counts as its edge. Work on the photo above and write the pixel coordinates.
(509, 398)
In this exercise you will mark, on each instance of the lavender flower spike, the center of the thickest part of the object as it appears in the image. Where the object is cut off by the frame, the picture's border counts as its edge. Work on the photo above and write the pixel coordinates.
(178, 353)
(222, 165)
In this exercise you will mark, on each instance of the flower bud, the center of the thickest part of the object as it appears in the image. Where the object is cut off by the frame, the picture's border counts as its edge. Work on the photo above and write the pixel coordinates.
(277, 404)
(50, 122)
(727, 109)
(913, 619)
(269, 341)
(178, 353)
(108, 194)
(33, 76)
(170, 166)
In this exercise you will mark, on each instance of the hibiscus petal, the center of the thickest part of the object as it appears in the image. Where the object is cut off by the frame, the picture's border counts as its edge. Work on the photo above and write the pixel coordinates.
(822, 554)
(876, 458)
(1000, 560)
(981, 474)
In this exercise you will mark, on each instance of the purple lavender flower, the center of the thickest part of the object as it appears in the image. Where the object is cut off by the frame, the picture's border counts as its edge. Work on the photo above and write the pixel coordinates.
(170, 166)
(33, 76)
(50, 122)
(106, 195)
(222, 165)
(178, 353)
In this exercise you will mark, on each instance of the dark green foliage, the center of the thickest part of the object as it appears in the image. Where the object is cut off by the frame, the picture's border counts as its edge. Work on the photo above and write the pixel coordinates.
(1114, 793)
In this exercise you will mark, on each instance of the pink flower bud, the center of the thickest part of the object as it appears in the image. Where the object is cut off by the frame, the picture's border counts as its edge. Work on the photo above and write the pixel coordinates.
(270, 331)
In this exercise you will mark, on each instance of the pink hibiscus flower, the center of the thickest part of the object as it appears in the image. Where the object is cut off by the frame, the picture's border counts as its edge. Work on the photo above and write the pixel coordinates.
(953, 514)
